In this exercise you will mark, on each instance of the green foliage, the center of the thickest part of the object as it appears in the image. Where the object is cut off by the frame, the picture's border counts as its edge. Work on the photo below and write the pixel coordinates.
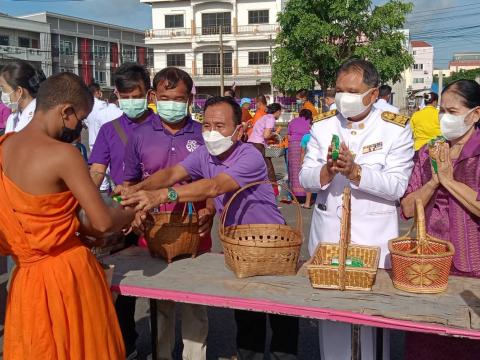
(317, 36)
(460, 75)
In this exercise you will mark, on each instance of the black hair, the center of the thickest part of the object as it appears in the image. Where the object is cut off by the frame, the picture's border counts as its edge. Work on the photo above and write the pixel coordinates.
(430, 97)
(384, 90)
(261, 99)
(64, 88)
(273, 108)
(216, 100)
(469, 90)
(20, 73)
(112, 98)
(330, 93)
(369, 72)
(230, 92)
(129, 75)
(302, 93)
(307, 114)
(94, 87)
(172, 76)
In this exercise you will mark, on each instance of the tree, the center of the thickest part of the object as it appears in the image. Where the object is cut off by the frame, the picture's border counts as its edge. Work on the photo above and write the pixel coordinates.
(317, 36)
(472, 74)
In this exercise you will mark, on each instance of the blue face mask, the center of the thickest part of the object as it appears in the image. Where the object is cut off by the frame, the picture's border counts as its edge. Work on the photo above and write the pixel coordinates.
(133, 108)
(172, 112)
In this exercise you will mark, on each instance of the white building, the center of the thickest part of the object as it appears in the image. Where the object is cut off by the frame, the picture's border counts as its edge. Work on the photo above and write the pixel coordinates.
(25, 40)
(185, 34)
(422, 69)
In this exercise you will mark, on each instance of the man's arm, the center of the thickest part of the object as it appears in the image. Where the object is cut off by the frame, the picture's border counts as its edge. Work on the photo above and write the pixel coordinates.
(97, 173)
(162, 179)
(200, 190)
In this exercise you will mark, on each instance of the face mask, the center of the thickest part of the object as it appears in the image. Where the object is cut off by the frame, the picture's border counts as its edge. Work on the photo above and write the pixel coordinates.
(216, 143)
(299, 101)
(351, 105)
(453, 126)
(8, 102)
(133, 108)
(172, 112)
(70, 135)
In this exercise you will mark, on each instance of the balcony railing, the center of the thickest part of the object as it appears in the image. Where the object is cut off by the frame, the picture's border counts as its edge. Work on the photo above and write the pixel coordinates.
(214, 71)
(242, 30)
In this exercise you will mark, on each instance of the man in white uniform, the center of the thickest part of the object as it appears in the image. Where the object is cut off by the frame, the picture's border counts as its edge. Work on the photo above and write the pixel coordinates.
(330, 99)
(376, 162)
(383, 102)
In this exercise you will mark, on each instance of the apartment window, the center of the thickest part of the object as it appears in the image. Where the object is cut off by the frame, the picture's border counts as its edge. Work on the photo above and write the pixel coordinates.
(100, 51)
(35, 44)
(174, 21)
(414, 52)
(176, 60)
(101, 76)
(418, 80)
(4, 40)
(258, 17)
(211, 23)
(417, 66)
(66, 47)
(258, 58)
(23, 42)
(211, 63)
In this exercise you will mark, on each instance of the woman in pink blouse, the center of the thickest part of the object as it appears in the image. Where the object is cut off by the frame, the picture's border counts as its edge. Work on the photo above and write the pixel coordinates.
(452, 203)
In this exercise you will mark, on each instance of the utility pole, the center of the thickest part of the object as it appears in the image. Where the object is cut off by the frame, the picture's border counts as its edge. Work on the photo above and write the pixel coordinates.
(440, 86)
(222, 75)
(271, 67)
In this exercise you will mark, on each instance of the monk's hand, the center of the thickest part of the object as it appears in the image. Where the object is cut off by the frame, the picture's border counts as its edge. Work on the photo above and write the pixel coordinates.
(205, 221)
(145, 200)
(444, 163)
(139, 221)
(345, 164)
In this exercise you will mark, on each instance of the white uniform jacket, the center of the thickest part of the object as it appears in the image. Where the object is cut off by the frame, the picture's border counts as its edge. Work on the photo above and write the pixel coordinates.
(384, 150)
(18, 120)
(383, 105)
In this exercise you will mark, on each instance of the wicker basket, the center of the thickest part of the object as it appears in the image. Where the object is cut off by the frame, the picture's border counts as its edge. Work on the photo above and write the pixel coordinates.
(171, 234)
(324, 275)
(261, 249)
(274, 151)
(420, 265)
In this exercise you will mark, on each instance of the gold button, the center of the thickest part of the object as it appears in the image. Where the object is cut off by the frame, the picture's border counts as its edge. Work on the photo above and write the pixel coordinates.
(353, 132)
(361, 126)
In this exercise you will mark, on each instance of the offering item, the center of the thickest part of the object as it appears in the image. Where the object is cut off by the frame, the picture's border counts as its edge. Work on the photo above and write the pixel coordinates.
(432, 148)
(335, 147)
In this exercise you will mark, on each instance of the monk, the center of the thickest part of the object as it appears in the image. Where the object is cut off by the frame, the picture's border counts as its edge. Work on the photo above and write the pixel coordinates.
(59, 305)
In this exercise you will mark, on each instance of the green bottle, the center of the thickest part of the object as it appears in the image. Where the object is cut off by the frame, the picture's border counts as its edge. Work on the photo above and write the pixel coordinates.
(335, 147)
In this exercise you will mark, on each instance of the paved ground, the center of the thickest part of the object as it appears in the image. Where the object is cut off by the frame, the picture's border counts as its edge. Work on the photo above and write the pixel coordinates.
(221, 339)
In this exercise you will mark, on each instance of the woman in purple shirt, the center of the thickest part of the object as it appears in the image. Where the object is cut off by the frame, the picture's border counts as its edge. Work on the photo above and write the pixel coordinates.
(452, 203)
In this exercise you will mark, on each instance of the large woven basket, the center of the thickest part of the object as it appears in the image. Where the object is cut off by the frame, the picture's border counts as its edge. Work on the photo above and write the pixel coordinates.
(324, 275)
(261, 249)
(274, 151)
(422, 264)
(171, 234)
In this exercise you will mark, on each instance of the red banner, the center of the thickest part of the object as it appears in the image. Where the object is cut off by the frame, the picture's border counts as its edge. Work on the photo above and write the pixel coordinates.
(141, 55)
(85, 55)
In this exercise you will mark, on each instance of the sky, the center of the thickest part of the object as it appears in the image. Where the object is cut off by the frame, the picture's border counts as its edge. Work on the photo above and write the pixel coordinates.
(448, 25)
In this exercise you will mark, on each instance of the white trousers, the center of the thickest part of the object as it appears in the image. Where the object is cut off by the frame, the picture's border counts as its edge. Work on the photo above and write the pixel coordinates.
(336, 341)
(194, 330)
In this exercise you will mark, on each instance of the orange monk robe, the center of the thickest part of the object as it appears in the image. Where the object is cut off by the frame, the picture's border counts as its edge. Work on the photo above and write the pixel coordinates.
(309, 106)
(258, 115)
(59, 305)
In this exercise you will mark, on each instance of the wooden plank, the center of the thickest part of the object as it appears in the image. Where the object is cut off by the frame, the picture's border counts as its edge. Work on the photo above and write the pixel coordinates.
(205, 280)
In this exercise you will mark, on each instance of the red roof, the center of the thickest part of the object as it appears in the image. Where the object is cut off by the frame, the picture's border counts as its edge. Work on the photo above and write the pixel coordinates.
(464, 63)
(419, 43)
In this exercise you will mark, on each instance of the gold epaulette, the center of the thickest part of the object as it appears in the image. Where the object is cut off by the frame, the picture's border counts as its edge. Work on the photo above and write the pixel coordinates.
(400, 120)
(325, 115)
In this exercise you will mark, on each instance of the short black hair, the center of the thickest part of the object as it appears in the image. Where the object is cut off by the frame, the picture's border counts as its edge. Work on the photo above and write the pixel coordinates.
(230, 92)
(384, 90)
(302, 93)
(369, 72)
(469, 90)
(430, 97)
(216, 100)
(273, 108)
(305, 113)
(64, 88)
(261, 99)
(129, 75)
(172, 76)
(94, 87)
(20, 73)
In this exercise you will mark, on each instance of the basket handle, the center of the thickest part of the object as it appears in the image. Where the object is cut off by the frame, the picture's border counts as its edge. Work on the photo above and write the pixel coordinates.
(420, 224)
(345, 236)
(190, 207)
(223, 217)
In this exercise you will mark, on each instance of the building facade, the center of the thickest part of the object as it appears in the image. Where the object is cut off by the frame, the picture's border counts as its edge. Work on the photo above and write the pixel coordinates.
(464, 61)
(91, 49)
(186, 34)
(422, 69)
(25, 40)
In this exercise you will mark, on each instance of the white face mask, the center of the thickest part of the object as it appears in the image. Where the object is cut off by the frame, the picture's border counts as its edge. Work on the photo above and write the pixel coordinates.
(216, 143)
(454, 126)
(351, 105)
(8, 102)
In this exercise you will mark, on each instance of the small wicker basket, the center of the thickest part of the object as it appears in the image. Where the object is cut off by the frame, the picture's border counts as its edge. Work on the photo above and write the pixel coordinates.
(261, 249)
(324, 275)
(420, 265)
(171, 234)
(274, 151)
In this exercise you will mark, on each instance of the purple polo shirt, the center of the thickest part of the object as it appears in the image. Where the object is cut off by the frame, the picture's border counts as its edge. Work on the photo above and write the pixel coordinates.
(109, 149)
(245, 165)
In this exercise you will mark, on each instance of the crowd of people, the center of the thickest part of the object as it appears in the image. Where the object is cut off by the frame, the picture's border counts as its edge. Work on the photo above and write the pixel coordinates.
(145, 146)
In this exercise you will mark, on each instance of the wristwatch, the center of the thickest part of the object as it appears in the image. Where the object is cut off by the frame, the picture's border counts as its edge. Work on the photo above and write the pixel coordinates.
(357, 174)
(172, 195)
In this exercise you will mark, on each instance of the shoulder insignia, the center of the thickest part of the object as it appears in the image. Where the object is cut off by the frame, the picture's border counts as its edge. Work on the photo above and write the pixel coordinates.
(400, 120)
(325, 115)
